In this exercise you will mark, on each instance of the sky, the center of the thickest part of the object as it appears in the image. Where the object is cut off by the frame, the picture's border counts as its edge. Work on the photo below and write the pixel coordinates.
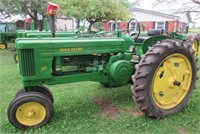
(149, 4)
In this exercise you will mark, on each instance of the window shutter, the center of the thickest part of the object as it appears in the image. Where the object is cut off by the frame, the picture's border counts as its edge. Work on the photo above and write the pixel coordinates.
(110, 24)
(166, 25)
(153, 25)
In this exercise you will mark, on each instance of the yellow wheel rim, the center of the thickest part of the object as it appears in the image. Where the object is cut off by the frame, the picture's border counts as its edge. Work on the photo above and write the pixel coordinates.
(171, 81)
(195, 47)
(2, 46)
(31, 113)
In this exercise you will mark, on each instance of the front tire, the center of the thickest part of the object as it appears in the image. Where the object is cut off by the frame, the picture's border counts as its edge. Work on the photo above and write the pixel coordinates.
(15, 57)
(165, 78)
(40, 89)
(30, 110)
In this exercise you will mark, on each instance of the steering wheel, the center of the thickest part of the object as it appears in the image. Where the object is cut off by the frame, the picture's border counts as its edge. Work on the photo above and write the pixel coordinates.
(132, 32)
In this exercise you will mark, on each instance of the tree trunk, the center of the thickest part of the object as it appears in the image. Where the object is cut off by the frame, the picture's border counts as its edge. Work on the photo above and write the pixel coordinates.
(90, 26)
(36, 19)
(42, 21)
(77, 24)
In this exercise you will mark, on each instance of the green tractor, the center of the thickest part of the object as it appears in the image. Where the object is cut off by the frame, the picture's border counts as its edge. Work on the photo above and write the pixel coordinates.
(7, 33)
(162, 71)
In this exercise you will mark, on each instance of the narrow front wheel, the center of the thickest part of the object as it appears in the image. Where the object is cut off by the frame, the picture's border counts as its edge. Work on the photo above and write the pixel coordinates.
(40, 89)
(15, 57)
(30, 109)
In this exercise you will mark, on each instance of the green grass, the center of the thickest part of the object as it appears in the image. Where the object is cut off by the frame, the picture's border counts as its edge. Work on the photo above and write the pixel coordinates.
(87, 107)
(194, 31)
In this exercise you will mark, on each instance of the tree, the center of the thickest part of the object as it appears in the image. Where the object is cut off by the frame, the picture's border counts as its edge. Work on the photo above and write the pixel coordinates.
(192, 6)
(127, 3)
(25, 7)
(94, 10)
(91, 10)
(3, 13)
(72, 8)
(104, 11)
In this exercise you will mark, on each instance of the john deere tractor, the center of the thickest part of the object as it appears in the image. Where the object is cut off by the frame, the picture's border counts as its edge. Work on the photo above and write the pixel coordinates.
(162, 71)
(7, 33)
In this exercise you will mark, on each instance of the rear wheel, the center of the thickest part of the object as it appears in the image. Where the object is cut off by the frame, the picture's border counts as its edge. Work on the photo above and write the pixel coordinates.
(3, 45)
(165, 78)
(30, 110)
(193, 41)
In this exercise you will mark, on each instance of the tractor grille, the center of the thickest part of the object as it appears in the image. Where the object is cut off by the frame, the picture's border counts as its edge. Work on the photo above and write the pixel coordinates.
(27, 62)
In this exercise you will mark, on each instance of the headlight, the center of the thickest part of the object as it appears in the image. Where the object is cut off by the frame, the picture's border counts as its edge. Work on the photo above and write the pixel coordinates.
(132, 49)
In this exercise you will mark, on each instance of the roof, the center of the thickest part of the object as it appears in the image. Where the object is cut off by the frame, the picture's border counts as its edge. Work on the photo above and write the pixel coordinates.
(170, 13)
(177, 12)
(154, 12)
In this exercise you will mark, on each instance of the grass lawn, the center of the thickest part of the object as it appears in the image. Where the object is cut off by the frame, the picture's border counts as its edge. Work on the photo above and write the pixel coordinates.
(87, 107)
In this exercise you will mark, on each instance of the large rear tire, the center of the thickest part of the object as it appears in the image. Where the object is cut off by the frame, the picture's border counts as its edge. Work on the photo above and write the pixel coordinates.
(194, 43)
(165, 78)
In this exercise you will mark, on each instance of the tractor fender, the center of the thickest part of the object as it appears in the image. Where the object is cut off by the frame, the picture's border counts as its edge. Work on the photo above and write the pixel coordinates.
(152, 41)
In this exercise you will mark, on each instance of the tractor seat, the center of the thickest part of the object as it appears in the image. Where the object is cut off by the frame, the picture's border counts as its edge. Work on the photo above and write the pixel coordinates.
(150, 33)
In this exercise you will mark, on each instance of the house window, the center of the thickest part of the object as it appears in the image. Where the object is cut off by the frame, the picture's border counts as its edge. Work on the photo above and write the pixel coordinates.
(180, 27)
(160, 25)
(114, 26)
(134, 26)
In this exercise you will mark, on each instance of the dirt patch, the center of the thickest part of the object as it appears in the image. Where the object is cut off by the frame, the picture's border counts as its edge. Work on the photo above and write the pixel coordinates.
(107, 108)
(182, 131)
(135, 112)
(111, 111)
